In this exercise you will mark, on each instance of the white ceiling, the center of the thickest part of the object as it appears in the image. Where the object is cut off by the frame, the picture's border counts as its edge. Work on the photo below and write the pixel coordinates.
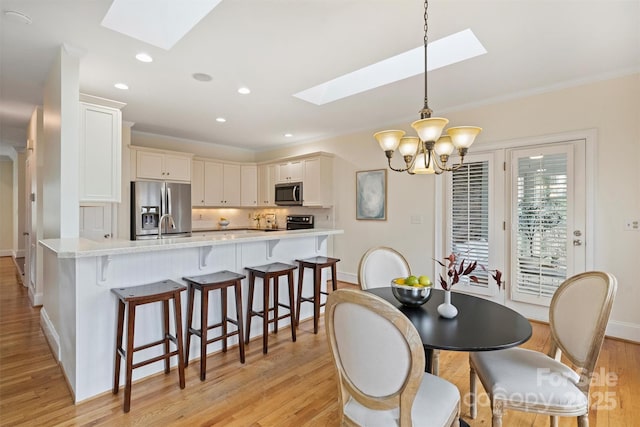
(280, 47)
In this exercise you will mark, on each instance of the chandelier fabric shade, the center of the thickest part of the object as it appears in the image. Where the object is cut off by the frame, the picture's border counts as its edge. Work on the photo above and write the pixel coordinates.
(429, 152)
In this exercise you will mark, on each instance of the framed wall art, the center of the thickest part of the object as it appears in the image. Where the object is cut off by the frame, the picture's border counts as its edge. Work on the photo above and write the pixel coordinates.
(371, 195)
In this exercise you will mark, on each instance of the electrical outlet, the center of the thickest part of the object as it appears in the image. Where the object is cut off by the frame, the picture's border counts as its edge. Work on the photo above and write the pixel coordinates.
(632, 225)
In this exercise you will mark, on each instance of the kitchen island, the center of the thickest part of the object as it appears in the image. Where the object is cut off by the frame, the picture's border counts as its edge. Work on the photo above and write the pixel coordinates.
(78, 315)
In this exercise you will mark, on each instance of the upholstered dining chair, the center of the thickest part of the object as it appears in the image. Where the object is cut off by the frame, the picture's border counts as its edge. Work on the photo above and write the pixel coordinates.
(379, 265)
(530, 381)
(380, 365)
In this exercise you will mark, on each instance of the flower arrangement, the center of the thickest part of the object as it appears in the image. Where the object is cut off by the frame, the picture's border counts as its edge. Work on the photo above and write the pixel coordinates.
(455, 271)
(257, 217)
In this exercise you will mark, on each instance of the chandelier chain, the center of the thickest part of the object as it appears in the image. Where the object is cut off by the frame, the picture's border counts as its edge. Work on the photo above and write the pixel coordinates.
(429, 152)
(426, 111)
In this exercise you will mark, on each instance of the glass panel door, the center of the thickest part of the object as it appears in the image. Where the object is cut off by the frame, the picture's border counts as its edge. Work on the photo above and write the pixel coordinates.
(545, 221)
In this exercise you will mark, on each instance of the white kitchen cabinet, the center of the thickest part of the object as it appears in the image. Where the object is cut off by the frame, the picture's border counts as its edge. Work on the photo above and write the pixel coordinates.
(318, 181)
(249, 185)
(100, 153)
(163, 165)
(95, 221)
(197, 183)
(266, 185)
(215, 184)
(231, 184)
(290, 171)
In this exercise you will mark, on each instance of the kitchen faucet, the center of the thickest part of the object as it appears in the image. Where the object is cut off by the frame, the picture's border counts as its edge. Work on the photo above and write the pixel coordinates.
(171, 223)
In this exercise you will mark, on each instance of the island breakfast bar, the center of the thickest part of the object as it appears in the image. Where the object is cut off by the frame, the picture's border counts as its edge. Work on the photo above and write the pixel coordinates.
(78, 315)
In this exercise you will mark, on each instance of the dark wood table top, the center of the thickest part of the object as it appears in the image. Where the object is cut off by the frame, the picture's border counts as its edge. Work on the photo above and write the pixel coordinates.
(480, 324)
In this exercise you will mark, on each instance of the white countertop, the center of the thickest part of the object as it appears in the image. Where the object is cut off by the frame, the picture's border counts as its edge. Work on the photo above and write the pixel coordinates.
(80, 247)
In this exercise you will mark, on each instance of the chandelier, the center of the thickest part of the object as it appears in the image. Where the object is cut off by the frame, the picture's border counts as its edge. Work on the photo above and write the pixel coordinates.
(427, 153)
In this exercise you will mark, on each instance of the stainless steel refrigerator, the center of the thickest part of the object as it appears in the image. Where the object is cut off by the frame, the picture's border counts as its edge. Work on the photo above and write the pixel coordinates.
(160, 206)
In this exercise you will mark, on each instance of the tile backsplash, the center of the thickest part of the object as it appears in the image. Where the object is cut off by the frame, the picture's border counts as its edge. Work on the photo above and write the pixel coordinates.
(207, 218)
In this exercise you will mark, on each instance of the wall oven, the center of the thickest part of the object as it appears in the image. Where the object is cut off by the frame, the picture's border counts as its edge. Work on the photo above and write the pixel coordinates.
(289, 194)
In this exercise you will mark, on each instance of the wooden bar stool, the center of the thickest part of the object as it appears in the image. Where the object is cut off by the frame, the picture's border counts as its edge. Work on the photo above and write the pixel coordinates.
(267, 273)
(210, 282)
(316, 264)
(145, 294)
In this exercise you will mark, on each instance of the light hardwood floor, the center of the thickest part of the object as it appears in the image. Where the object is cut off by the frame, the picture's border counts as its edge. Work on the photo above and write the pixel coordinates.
(294, 385)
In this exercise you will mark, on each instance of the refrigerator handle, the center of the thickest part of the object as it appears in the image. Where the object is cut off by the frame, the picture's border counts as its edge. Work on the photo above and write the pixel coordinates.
(172, 222)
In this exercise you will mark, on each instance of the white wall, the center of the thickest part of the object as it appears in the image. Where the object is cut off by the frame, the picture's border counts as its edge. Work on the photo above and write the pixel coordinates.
(61, 139)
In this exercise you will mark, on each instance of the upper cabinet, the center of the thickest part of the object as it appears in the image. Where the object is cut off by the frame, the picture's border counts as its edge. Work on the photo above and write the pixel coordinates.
(164, 165)
(249, 185)
(318, 181)
(100, 150)
(290, 171)
(217, 184)
(266, 185)
(315, 171)
(197, 183)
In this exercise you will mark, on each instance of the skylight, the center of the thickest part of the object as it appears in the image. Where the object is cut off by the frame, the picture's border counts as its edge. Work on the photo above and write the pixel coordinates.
(160, 23)
(449, 50)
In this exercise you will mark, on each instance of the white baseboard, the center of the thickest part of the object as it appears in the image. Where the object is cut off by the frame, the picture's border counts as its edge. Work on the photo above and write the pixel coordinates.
(20, 253)
(624, 330)
(36, 299)
(6, 252)
(50, 334)
(348, 277)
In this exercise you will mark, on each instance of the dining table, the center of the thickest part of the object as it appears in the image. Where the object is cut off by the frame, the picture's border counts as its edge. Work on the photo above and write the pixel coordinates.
(481, 324)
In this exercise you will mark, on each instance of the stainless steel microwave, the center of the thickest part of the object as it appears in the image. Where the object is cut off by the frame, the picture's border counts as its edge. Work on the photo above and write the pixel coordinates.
(289, 194)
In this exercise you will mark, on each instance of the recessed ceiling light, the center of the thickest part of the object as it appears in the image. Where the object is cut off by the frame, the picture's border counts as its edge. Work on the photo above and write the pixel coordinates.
(15, 16)
(221, 120)
(202, 77)
(445, 51)
(288, 135)
(244, 91)
(121, 86)
(144, 57)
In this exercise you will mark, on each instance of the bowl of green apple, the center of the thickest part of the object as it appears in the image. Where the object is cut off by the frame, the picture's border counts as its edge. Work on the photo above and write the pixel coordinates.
(412, 291)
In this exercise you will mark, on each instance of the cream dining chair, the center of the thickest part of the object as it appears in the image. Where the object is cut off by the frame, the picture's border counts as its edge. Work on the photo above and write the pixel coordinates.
(379, 265)
(380, 365)
(530, 381)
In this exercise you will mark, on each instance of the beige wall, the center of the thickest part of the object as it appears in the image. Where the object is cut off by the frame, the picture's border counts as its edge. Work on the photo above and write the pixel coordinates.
(611, 107)
(6, 207)
(19, 204)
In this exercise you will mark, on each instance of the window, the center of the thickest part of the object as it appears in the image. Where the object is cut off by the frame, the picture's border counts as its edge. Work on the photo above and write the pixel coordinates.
(471, 221)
